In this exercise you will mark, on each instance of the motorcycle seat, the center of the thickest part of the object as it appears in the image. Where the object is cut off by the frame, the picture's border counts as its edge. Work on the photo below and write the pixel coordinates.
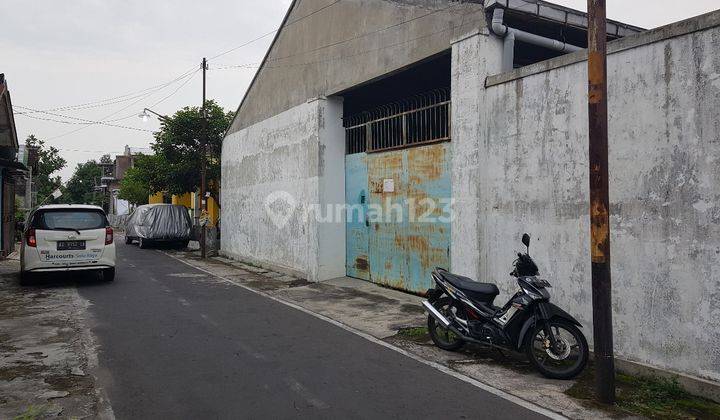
(468, 284)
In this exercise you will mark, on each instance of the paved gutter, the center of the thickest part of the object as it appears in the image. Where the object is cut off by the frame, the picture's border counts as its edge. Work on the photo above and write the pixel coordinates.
(47, 355)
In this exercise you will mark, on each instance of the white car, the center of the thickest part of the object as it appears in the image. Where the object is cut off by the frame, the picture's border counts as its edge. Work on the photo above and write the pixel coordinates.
(67, 237)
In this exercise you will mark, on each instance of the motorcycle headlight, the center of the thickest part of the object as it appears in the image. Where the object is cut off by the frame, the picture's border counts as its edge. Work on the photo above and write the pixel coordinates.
(531, 293)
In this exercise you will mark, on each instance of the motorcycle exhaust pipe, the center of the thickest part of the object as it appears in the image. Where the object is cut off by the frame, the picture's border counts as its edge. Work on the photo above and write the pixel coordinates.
(446, 324)
(436, 314)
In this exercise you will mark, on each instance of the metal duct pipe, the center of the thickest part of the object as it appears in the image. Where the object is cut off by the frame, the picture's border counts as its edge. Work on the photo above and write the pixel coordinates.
(509, 36)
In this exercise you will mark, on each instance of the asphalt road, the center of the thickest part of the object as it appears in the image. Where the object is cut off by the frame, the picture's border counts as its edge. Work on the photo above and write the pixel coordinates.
(177, 343)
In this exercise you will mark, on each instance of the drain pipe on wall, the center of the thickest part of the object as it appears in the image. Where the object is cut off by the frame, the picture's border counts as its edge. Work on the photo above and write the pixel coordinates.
(510, 35)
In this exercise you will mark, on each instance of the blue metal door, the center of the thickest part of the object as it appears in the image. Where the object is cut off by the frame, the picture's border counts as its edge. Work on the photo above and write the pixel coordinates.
(356, 197)
(411, 188)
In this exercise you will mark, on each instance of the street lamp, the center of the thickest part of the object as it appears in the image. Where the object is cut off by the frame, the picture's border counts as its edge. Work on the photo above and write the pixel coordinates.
(145, 115)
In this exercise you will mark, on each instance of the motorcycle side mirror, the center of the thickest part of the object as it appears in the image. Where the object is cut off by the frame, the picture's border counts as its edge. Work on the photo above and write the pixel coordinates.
(526, 241)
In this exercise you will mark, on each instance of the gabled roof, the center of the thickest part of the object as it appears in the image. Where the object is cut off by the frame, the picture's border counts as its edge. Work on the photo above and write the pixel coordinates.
(8, 133)
(327, 46)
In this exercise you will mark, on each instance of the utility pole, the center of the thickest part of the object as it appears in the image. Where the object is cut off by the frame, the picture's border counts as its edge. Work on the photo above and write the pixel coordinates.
(600, 201)
(203, 163)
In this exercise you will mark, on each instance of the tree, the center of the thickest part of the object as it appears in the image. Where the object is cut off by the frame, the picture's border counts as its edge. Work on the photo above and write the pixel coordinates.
(49, 162)
(178, 147)
(146, 177)
(80, 188)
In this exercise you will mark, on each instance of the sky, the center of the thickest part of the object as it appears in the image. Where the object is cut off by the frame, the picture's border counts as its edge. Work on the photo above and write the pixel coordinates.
(91, 60)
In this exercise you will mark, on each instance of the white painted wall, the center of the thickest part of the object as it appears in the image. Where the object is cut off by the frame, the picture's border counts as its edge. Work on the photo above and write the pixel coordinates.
(277, 155)
(474, 57)
(526, 162)
(289, 165)
(331, 232)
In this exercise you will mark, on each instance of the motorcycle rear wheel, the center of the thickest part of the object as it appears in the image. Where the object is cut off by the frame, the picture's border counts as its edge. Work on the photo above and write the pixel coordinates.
(564, 362)
(441, 336)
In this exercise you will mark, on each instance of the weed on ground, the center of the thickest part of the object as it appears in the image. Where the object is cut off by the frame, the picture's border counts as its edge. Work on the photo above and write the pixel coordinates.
(652, 397)
(419, 334)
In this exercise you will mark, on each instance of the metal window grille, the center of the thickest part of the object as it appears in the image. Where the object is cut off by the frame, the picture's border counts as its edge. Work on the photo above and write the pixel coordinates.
(420, 119)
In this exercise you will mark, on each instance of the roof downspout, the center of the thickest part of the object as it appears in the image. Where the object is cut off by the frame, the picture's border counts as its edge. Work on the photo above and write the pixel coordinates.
(510, 35)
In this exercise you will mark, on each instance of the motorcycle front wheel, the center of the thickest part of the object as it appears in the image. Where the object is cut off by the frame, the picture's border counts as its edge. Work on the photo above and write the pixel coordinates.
(564, 360)
(441, 336)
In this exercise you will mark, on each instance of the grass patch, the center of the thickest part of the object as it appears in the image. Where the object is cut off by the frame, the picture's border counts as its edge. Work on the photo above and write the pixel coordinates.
(414, 333)
(653, 397)
(33, 412)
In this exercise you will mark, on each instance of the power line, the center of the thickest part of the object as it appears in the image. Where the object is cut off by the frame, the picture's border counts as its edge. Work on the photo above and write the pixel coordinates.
(394, 25)
(126, 107)
(81, 121)
(256, 66)
(274, 31)
(157, 102)
(121, 98)
(333, 44)
(141, 94)
(97, 151)
(187, 75)
(327, 60)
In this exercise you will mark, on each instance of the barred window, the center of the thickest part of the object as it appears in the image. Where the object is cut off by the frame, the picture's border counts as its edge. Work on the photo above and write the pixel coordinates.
(420, 119)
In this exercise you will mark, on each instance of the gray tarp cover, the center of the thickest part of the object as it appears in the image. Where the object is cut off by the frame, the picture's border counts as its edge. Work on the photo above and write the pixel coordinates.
(158, 222)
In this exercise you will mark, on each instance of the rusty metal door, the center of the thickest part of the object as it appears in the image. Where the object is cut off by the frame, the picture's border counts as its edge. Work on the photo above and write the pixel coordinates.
(398, 173)
(410, 236)
(356, 197)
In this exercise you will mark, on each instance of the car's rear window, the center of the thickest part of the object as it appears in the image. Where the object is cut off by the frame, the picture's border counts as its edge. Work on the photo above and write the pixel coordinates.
(70, 219)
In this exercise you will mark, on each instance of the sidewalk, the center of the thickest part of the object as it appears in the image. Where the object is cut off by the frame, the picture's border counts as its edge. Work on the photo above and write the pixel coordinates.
(46, 350)
(395, 317)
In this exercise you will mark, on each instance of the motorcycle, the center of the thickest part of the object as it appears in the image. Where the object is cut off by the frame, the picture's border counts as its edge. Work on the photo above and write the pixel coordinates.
(461, 310)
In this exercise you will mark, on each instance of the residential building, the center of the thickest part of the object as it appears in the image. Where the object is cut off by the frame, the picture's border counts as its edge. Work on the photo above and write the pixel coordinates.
(10, 169)
(113, 175)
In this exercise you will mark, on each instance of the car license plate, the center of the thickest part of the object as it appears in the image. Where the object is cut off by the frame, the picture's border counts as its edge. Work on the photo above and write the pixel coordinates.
(70, 245)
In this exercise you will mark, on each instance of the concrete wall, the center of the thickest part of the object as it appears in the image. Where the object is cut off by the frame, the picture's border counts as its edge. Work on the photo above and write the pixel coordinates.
(274, 179)
(331, 172)
(474, 57)
(525, 165)
(347, 44)
(122, 164)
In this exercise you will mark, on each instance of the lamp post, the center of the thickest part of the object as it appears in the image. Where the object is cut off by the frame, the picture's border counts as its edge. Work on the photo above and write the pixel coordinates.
(145, 116)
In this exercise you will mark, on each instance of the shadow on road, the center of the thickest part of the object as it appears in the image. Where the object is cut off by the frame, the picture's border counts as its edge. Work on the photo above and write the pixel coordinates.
(65, 279)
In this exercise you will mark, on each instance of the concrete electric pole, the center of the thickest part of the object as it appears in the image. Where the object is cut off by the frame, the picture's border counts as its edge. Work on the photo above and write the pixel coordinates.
(203, 167)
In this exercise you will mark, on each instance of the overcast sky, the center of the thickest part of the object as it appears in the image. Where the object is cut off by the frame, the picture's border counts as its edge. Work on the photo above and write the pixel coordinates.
(65, 53)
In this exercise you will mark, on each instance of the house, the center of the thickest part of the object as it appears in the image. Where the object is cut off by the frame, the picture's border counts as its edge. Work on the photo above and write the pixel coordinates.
(25, 190)
(113, 174)
(10, 169)
(382, 138)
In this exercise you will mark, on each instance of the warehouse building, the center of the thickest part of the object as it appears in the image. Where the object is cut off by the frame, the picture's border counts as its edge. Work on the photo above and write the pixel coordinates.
(440, 131)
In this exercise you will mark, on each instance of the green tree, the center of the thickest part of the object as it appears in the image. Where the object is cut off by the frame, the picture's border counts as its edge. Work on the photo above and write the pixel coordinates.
(80, 188)
(178, 147)
(146, 177)
(49, 162)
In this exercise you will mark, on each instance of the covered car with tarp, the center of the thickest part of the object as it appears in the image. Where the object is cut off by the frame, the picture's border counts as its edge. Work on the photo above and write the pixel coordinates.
(159, 223)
